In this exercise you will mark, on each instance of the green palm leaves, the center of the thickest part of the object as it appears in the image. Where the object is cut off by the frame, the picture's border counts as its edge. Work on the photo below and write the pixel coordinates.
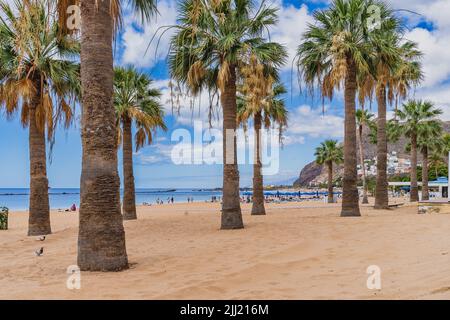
(417, 117)
(32, 52)
(341, 34)
(329, 152)
(134, 100)
(216, 36)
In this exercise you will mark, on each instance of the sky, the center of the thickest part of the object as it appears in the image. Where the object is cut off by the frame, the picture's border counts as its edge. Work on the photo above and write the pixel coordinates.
(429, 26)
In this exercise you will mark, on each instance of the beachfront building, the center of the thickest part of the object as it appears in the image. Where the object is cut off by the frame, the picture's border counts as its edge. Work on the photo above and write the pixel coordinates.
(395, 165)
(438, 188)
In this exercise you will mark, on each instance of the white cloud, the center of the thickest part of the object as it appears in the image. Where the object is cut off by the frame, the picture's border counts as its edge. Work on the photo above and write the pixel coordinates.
(436, 60)
(137, 40)
(292, 24)
(305, 121)
(187, 109)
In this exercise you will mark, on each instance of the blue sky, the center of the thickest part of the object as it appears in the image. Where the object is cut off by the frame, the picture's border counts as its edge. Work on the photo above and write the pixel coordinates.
(307, 126)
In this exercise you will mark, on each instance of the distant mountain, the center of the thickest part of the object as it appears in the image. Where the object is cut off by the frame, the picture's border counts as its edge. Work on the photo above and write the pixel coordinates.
(314, 173)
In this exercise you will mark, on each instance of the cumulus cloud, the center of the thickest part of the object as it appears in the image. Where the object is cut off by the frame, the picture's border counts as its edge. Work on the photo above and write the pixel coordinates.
(136, 38)
(305, 121)
(292, 24)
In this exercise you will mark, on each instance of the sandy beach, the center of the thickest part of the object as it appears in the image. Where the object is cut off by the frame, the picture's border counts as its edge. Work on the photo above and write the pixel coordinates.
(298, 251)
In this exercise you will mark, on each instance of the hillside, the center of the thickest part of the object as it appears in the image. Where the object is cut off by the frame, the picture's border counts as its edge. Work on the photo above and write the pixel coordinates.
(314, 173)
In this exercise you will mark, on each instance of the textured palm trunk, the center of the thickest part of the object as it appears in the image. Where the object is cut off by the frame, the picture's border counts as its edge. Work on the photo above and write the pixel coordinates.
(39, 216)
(365, 199)
(231, 208)
(330, 182)
(129, 197)
(425, 188)
(258, 187)
(414, 196)
(101, 237)
(350, 199)
(381, 190)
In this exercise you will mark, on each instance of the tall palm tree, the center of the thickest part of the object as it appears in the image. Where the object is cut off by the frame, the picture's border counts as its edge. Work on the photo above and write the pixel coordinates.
(363, 118)
(211, 41)
(428, 137)
(101, 236)
(398, 69)
(336, 48)
(328, 153)
(270, 110)
(136, 102)
(413, 117)
(38, 75)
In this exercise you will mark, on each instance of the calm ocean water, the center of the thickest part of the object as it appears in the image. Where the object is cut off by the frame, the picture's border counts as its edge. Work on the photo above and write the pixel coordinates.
(62, 198)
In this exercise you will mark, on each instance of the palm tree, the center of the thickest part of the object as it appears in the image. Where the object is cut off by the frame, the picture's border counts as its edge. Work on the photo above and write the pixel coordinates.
(328, 153)
(101, 236)
(436, 160)
(428, 136)
(363, 118)
(269, 110)
(446, 144)
(414, 117)
(212, 40)
(134, 100)
(336, 48)
(38, 76)
(398, 69)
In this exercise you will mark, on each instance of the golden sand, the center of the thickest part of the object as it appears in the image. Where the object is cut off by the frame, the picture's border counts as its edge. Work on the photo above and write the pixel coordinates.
(297, 251)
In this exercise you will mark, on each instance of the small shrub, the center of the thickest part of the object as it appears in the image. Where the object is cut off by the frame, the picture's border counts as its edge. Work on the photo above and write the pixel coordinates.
(4, 218)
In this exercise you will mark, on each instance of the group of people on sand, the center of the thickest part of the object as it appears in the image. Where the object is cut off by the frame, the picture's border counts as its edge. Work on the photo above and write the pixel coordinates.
(169, 200)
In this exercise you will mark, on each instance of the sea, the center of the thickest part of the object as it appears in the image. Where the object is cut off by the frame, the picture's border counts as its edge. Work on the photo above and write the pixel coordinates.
(62, 198)
(17, 199)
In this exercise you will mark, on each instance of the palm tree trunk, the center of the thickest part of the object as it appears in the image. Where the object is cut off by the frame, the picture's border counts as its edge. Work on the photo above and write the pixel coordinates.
(39, 216)
(330, 182)
(350, 199)
(381, 190)
(129, 197)
(101, 236)
(231, 208)
(414, 196)
(363, 165)
(258, 188)
(425, 189)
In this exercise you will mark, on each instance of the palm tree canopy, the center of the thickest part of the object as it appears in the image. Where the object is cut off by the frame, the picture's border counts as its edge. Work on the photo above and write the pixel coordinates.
(136, 101)
(343, 35)
(272, 109)
(407, 72)
(446, 143)
(364, 118)
(329, 152)
(31, 51)
(145, 8)
(214, 36)
(417, 117)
